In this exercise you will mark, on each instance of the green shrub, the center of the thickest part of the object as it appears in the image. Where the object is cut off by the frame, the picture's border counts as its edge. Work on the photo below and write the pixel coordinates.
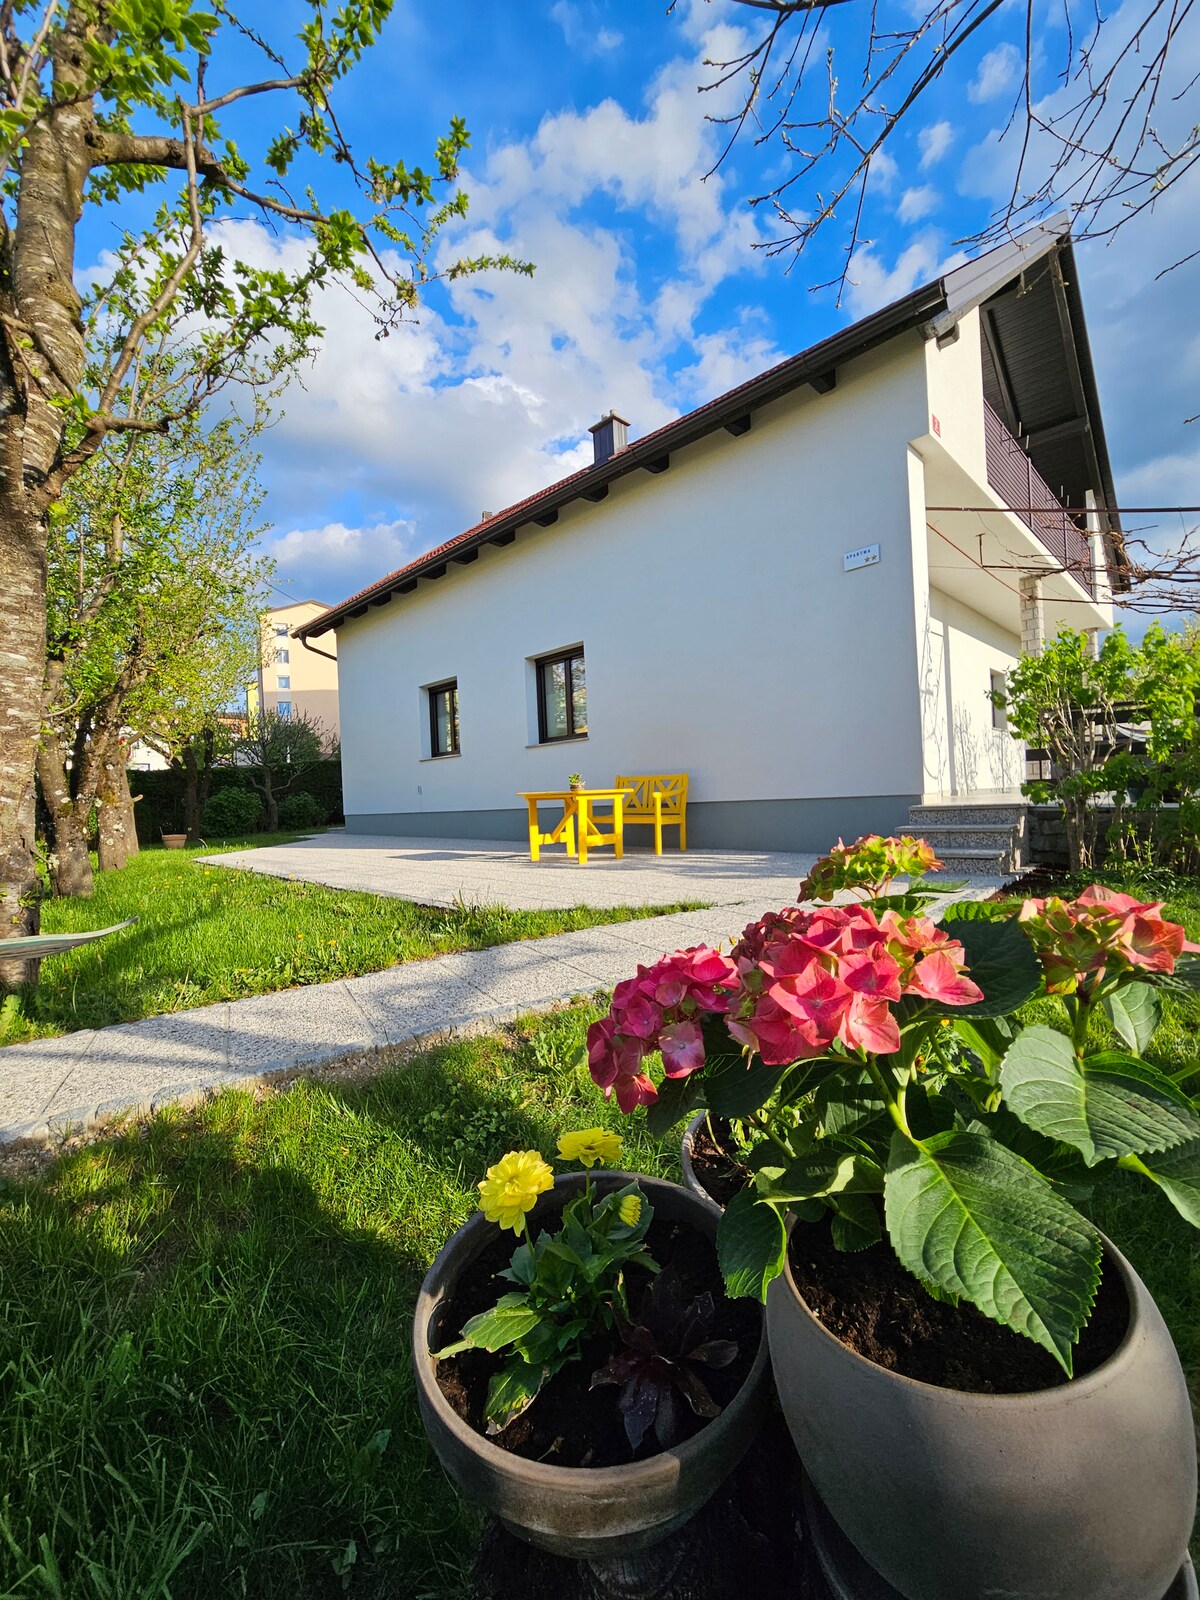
(302, 810)
(231, 812)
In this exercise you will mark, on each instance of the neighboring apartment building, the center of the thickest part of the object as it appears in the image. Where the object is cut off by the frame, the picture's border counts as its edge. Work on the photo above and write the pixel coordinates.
(802, 593)
(294, 680)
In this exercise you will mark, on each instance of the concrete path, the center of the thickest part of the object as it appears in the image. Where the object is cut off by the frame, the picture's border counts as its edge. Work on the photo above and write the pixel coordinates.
(54, 1086)
(439, 872)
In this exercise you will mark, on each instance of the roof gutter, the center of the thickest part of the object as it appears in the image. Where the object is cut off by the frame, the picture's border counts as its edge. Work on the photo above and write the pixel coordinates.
(731, 411)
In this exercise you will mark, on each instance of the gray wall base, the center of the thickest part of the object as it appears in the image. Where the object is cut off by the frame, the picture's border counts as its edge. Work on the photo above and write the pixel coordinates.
(810, 826)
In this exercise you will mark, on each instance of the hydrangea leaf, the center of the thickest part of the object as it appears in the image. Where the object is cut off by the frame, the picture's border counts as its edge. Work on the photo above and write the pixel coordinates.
(1111, 1106)
(1134, 1011)
(855, 1224)
(1177, 1174)
(676, 1098)
(751, 1245)
(969, 1216)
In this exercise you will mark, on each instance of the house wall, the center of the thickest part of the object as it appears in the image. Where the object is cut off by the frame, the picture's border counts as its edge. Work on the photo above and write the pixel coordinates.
(722, 638)
(979, 755)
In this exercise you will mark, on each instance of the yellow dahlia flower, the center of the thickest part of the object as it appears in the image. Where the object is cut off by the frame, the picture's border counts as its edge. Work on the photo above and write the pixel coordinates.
(512, 1186)
(630, 1210)
(591, 1145)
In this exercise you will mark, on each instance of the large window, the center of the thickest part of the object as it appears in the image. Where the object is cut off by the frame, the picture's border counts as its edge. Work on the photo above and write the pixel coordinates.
(443, 719)
(562, 697)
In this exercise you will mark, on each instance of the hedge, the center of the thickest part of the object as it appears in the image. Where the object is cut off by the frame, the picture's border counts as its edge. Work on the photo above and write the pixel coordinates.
(161, 793)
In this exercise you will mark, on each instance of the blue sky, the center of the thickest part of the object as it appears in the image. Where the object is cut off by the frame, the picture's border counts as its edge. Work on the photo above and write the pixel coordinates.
(589, 150)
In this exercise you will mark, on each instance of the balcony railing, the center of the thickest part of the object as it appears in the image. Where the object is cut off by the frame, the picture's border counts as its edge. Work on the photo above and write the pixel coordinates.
(1021, 486)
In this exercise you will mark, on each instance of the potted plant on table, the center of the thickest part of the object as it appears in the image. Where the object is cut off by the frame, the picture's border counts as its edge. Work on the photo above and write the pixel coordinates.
(980, 1406)
(575, 782)
(592, 1386)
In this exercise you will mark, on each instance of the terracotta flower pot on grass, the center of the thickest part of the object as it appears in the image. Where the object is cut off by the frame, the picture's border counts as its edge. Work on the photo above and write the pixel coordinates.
(174, 841)
(590, 1514)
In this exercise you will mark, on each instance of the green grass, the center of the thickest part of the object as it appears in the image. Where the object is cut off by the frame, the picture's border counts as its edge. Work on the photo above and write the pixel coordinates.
(205, 1386)
(212, 933)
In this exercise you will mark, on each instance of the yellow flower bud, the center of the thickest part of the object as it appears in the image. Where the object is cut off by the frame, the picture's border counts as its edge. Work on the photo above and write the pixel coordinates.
(630, 1210)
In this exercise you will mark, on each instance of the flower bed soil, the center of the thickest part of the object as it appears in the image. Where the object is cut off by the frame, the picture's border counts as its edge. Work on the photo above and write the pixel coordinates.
(871, 1303)
(569, 1424)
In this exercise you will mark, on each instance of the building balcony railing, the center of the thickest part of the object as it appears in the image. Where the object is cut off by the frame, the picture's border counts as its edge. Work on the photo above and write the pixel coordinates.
(1021, 486)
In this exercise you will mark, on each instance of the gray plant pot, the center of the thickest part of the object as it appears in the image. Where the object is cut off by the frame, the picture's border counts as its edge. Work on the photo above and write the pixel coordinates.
(590, 1514)
(1084, 1492)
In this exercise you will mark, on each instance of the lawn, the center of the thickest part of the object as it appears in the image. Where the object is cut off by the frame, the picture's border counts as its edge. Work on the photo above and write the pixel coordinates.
(204, 1376)
(211, 933)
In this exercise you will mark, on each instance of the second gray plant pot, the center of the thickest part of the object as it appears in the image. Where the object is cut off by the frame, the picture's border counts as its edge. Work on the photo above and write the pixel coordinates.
(1083, 1492)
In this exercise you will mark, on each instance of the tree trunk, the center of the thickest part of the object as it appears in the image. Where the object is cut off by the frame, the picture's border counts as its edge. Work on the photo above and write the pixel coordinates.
(70, 864)
(41, 364)
(118, 831)
(270, 802)
(22, 650)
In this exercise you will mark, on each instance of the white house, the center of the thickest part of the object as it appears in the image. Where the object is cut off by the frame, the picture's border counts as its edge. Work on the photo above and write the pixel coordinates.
(801, 593)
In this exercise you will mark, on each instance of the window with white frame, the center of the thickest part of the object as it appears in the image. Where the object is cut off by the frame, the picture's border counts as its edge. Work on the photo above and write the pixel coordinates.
(283, 683)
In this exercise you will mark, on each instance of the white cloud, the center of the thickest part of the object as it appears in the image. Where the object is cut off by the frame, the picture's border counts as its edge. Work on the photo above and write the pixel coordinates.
(333, 561)
(997, 72)
(582, 29)
(874, 284)
(934, 141)
(917, 203)
(884, 168)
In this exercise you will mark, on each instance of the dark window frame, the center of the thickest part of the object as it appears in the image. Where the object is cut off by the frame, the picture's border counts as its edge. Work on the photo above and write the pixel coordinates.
(541, 665)
(448, 685)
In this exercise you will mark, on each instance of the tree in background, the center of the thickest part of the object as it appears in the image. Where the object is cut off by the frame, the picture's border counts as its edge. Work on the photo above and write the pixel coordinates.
(154, 601)
(1106, 722)
(276, 752)
(101, 100)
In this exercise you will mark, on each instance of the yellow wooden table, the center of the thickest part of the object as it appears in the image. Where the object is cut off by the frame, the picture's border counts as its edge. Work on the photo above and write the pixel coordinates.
(579, 830)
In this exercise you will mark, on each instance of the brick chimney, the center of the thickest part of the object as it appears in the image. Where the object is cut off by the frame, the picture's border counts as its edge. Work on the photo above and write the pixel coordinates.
(609, 437)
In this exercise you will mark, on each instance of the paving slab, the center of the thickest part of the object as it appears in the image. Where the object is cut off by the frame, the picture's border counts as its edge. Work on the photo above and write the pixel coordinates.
(442, 872)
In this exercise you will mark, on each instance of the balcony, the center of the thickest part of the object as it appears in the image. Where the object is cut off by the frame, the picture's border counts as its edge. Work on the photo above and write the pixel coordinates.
(1013, 476)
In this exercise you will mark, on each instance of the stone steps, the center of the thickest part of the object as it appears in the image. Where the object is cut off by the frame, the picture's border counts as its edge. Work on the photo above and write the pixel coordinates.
(987, 840)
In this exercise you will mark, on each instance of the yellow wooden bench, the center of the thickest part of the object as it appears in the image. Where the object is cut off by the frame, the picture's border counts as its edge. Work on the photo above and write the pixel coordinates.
(658, 800)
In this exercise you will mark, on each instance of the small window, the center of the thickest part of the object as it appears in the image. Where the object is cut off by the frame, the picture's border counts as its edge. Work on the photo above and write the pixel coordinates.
(282, 658)
(281, 631)
(999, 686)
(283, 683)
(443, 718)
(562, 697)
(284, 708)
